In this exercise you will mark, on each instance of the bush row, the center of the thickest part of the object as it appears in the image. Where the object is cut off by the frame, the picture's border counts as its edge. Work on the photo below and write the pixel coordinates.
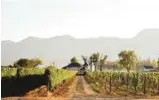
(57, 76)
(8, 72)
(145, 82)
(14, 72)
(18, 81)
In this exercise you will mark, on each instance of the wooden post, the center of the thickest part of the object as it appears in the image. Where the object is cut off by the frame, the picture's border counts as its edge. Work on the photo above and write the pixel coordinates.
(144, 85)
(110, 84)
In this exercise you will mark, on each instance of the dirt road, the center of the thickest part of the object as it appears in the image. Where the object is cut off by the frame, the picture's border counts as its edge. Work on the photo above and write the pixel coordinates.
(80, 87)
(81, 90)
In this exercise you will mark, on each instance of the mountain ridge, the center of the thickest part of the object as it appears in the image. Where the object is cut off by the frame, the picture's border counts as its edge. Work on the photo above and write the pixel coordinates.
(60, 49)
(65, 36)
(100, 37)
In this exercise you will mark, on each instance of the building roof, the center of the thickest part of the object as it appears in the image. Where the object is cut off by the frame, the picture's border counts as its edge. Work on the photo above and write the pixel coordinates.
(73, 65)
(148, 67)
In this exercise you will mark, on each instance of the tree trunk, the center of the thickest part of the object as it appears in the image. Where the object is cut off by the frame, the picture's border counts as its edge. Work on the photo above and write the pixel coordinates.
(91, 67)
(95, 65)
(128, 80)
(144, 87)
(101, 68)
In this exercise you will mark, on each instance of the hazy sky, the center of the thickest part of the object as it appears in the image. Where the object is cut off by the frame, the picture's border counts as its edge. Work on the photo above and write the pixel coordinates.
(79, 18)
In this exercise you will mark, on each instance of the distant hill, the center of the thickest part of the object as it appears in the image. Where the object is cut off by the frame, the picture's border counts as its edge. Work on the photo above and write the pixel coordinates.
(60, 49)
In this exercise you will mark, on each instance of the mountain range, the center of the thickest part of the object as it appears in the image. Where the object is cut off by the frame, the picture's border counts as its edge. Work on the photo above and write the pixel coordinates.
(60, 49)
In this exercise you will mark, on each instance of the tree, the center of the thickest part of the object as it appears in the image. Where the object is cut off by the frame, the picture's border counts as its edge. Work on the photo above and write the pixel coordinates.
(127, 59)
(85, 60)
(22, 62)
(95, 59)
(102, 62)
(28, 62)
(36, 61)
(74, 60)
(91, 63)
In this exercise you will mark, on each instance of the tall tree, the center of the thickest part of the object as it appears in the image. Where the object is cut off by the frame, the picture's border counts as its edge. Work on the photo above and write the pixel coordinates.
(127, 59)
(91, 63)
(74, 60)
(22, 62)
(28, 62)
(102, 62)
(95, 59)
(85, 60)
(36, 61)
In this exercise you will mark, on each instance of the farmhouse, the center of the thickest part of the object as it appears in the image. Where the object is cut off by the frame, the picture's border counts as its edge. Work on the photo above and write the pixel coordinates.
(147, 68)
(76, 67)
(73, 66)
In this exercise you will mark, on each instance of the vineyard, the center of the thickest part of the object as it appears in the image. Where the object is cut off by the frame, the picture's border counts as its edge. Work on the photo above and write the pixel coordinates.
(57, 76)
(18, 81)
(133, 82)
(26, 81)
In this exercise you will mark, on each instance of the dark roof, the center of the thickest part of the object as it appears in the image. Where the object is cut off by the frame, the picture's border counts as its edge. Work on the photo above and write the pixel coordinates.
(74, 65)
(148, 67)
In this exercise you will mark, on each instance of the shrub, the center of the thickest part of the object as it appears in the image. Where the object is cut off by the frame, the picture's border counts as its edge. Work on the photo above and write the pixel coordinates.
(8, 72)
(57, 76)
(30, 71)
